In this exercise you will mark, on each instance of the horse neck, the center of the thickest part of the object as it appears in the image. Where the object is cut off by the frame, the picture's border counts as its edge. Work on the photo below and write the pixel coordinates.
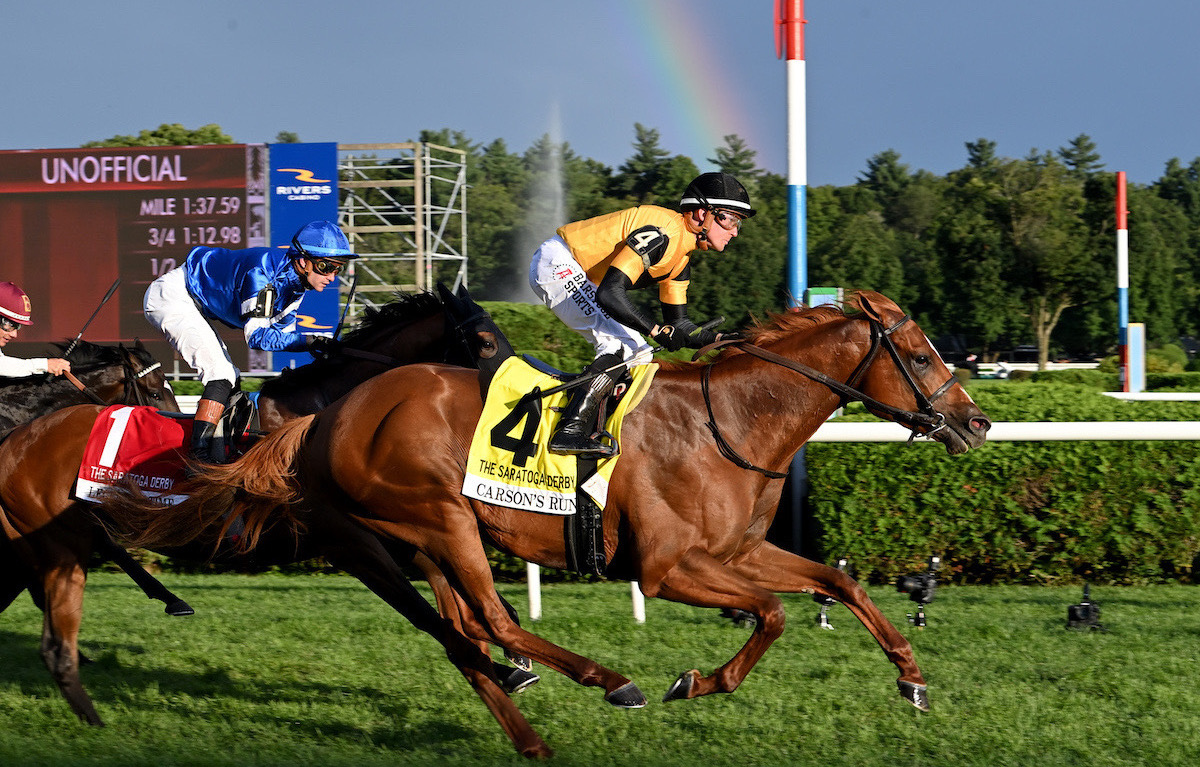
(312, 387)
(22, 402)
(778, 409)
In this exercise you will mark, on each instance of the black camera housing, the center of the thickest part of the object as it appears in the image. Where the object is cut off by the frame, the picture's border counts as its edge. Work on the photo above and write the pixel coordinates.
(921, 587)
(1086, 614)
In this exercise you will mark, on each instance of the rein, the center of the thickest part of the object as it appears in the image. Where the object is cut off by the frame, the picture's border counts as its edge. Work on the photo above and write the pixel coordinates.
(80, 386)
(880, 337)
(129, 385)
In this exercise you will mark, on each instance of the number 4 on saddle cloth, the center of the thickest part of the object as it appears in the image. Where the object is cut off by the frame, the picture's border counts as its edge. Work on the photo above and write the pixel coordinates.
(147, 445)
(508, 464)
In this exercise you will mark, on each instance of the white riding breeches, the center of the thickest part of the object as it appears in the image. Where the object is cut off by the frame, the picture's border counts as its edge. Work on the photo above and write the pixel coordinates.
(170, 308)
(562, 284)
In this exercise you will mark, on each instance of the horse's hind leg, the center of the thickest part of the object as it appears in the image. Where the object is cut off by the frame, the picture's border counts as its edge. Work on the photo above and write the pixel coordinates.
(467, 568)
(453, 608)
(63, 585)
(149, 585)
(362, 555)
(781, 571)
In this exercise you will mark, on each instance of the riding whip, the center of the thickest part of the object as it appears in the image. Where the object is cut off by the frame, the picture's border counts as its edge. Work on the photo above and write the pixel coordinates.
(349, 297)
(583, 378)
(103, 301)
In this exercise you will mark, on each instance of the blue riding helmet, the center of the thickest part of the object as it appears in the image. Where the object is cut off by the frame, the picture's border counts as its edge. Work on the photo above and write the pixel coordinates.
(321, 239)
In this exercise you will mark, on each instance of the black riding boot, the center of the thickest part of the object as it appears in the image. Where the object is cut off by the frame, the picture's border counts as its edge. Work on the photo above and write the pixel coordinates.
(577, 427)
(206, 445)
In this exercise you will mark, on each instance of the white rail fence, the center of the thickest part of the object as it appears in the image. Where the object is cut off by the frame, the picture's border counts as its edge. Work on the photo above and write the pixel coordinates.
(886, 431)
(1004, 431)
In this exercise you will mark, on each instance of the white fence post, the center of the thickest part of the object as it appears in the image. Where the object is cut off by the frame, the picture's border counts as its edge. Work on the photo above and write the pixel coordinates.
(534, 576)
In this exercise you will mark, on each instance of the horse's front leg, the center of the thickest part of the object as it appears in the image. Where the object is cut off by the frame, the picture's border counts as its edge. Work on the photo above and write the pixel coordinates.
(698, 579)
(781, 571)
(63, 587)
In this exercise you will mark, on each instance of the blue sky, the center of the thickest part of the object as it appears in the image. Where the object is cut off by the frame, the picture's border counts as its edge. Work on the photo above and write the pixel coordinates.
(922, 77)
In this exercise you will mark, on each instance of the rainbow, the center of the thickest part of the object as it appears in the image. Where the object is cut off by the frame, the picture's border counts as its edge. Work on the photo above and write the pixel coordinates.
(695, 80)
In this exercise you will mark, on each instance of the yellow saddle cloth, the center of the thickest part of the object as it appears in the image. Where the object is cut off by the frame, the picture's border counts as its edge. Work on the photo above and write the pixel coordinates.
(508, 464)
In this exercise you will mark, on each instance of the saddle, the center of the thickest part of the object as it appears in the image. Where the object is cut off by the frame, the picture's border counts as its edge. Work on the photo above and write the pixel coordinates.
(607, 407)
(239, 426)
(583, 531)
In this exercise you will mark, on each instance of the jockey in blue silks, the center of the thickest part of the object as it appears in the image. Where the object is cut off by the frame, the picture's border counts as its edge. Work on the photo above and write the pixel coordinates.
(257, 290)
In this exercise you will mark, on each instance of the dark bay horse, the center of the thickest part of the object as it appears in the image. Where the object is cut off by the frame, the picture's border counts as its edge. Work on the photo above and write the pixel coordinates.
(55, 534)
(110, 374)
(689, 503)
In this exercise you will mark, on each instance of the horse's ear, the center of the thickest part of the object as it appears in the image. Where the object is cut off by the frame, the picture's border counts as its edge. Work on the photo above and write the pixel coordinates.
(868, 307)
(444, 293)
(137, 344)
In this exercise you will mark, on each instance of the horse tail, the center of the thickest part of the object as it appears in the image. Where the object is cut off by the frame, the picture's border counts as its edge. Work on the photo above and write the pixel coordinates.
(258, 489)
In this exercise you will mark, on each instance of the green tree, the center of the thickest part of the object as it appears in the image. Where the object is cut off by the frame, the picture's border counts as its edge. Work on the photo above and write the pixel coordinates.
(886, 176)
(640, 177)
(287, 137)
(737, 159)
(1181, 186)
(981, 154)
(172, 134)
(1080, 156)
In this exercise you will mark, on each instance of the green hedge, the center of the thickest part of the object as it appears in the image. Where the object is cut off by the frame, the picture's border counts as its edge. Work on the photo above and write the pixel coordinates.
(1024, 512)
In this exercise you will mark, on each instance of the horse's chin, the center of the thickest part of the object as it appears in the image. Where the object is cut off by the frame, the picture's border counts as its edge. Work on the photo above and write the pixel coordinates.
(955, 444)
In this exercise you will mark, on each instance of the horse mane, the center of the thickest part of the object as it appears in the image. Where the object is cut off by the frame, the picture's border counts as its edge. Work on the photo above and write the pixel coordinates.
(89, 355)
(84, 357)
(776, 325)
(405, 308)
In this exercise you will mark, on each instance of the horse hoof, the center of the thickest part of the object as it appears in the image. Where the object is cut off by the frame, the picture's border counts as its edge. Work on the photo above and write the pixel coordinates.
(518, 660)
(915, 694)
(179, 608)
(626, 696)
(518, 680)
(681, 688)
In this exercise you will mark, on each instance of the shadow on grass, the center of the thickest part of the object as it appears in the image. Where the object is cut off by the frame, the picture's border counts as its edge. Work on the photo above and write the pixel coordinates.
(307, 708)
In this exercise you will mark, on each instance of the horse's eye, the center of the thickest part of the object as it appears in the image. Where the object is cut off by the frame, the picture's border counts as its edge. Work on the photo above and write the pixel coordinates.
(921, 359)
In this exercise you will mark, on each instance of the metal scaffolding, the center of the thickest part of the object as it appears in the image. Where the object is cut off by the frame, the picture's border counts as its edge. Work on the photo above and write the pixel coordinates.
(404, 208)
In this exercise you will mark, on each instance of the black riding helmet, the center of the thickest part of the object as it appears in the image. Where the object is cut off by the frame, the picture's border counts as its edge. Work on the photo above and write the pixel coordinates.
(717, 190)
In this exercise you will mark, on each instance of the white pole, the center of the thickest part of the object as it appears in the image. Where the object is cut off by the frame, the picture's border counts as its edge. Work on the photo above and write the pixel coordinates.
(534, 576)
(639, 602)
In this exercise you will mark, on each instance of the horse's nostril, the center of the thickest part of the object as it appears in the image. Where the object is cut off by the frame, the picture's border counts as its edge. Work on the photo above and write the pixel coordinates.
(980, 424)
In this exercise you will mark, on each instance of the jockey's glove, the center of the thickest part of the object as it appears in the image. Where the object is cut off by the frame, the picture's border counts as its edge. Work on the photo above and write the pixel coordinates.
(695, 337)
(669, 337)
(322, 345)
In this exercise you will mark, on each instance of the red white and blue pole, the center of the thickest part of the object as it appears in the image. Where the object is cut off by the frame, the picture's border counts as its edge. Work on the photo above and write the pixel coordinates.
(789, 42)
(1123, 281)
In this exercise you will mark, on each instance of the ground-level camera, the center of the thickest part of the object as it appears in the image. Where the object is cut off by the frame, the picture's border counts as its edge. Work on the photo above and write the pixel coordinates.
(921, 588)
(1086, 614)
(827, 602)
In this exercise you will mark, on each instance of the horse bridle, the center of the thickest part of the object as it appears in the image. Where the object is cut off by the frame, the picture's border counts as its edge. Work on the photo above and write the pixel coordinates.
(129, 374)
(928, 417)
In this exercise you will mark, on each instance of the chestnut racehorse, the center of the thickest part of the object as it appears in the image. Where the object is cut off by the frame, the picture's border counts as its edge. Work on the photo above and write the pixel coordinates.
(56, 534)
(698, 481)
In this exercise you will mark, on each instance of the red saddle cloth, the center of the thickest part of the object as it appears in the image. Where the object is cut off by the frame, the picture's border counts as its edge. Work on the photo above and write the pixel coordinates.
(137, 442)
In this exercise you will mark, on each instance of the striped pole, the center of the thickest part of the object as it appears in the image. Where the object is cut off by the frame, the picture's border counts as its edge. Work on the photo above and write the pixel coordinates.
(1123, 281)
(789, 42)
